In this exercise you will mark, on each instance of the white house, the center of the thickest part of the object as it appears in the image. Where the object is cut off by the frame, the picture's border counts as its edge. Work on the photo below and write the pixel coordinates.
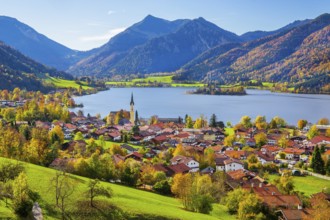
(188, 161)
(233, 164)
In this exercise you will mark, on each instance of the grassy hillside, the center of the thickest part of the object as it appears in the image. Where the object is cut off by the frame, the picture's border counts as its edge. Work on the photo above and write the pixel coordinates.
(307, 184)
(136, 202)
(149, 81)
(63, 83)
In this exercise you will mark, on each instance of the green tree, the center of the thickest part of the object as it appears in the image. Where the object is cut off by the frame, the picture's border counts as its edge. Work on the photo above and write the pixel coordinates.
(96, 190)
(317, 163)
(327, 167)
(189, 122)
(78, 136)
(234, 198)
(213, 121)
(56, 135)
(285, 183)
(229, 140)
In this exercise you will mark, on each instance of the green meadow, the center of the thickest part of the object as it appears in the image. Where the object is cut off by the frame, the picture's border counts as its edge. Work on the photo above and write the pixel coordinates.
(136, 204)
(63, 83)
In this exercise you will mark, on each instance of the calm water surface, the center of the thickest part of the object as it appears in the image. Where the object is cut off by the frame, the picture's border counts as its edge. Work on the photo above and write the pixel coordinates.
(174, 102)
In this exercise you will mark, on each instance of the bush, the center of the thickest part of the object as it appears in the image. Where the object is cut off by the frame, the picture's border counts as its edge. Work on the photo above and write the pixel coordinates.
(23, 208)
(163, 187)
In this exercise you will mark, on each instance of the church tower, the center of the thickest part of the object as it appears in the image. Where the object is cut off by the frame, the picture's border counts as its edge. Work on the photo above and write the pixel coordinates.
(132, 118)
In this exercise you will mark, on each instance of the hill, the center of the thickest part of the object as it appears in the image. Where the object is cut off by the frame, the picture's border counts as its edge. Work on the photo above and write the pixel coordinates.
(154, 45)
(136, 204)
(296, 56)
(37, 46)
(17, 70)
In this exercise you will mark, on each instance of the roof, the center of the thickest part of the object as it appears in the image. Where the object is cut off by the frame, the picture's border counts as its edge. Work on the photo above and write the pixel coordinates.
(118, 158)
(231, 160)
(240, 174)
(294, 214)
(179, 168)
(181, 159)
(281, 200)
(293, 151)
(320, 139)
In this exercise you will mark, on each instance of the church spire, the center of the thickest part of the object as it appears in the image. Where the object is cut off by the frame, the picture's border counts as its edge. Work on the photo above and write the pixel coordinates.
(132, 100)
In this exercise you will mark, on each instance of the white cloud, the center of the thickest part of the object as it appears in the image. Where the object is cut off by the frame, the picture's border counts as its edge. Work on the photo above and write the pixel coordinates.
(103, 37)
(110, 12)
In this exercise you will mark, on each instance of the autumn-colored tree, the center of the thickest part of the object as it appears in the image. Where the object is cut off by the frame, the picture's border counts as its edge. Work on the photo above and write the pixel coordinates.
(181, 187)
(179, 150)
(229, 140)
(285, 183)
(301, 124)
(261, 139)
(323, 121)
(313, 131)
(56, 135)
(320, 209)
(283, 141)
(250, 208)
(246, 121)
(327, 132)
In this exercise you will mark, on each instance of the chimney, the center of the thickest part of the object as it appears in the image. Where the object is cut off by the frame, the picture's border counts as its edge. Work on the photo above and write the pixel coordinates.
(300, 207)
(273, 193)
(252, 185)
(260, 185)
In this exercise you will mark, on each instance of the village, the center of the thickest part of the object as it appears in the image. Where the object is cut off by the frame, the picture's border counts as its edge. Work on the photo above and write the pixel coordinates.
(175, 146)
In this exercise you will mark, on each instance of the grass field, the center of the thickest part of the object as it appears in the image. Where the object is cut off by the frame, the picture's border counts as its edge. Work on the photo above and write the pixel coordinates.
(63, 83)
(307, 184)
(154, 79)
(128, 199)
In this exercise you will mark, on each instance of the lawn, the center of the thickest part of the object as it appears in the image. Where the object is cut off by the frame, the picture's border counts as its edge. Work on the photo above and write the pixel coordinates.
(307, 184)
(126, 198)
(63, 83)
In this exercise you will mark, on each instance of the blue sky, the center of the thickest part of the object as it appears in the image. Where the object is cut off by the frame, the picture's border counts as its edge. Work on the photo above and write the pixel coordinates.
(86, 24)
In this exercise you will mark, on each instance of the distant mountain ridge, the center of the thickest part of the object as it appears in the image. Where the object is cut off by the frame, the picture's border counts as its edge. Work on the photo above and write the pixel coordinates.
(37, 46)
(295, 55)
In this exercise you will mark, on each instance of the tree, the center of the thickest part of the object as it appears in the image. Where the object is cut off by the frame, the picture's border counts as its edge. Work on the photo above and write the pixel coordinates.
(261, 139)
(250, 208)
(64, 191)
(285, 183)
(327, 132)
(323, 121)
(189, 122)
(56, 135)
(153, 120)
(179, 150)
(234, 198)
(213, 121)
(136, 120)
(229, 140)
(301, 124)
(162, 187)
(78, 136)
(21, 200)
(280, 122)
(327, 167)
(246, 121)
(283, 142)
(96, 190)
(181, 187)
(317, 163)
(320, 209)
(313, 131)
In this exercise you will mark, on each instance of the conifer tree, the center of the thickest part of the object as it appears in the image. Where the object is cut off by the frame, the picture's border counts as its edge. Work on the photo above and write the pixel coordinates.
(317, 163)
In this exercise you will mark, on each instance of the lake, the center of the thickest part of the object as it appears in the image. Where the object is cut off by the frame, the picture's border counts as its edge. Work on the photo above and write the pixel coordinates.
(174, 102)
